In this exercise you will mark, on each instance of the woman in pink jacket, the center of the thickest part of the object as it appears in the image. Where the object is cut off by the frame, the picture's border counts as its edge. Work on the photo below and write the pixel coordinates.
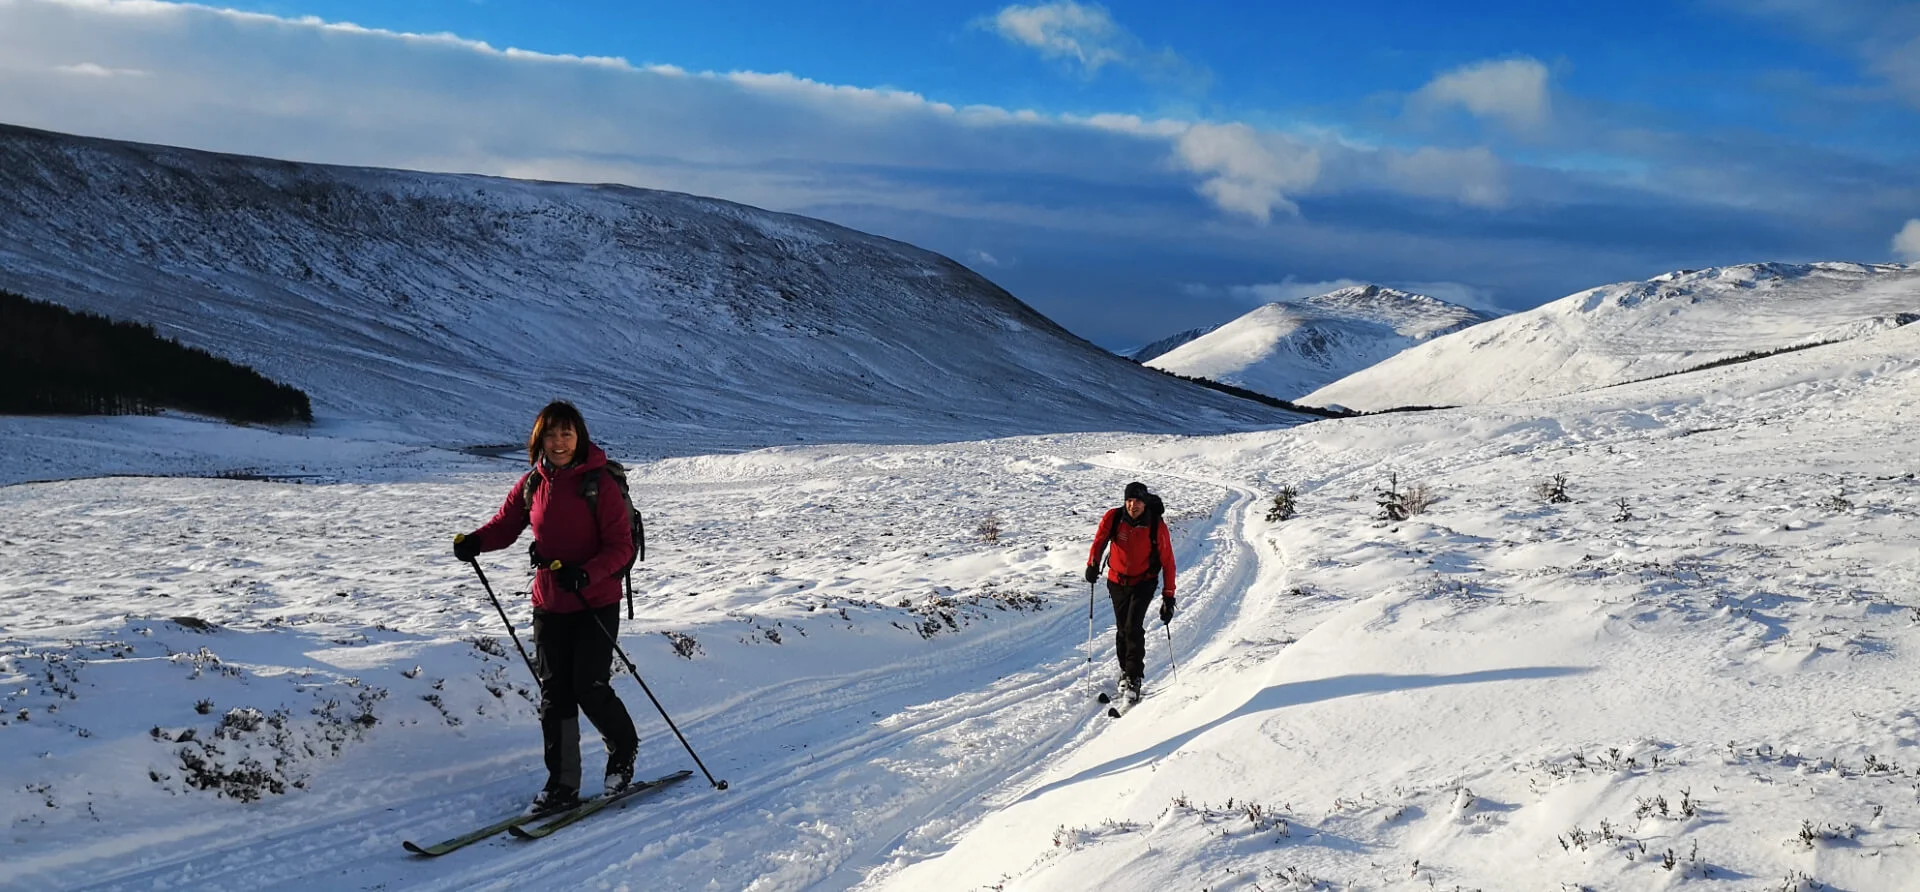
(575, 607)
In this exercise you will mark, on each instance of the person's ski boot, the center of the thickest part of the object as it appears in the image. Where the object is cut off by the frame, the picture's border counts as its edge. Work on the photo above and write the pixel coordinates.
(620, 768)
(552, 799)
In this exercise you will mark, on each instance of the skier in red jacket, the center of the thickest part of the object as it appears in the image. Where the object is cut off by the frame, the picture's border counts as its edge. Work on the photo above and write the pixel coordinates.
(1140, 558)
(591, 540)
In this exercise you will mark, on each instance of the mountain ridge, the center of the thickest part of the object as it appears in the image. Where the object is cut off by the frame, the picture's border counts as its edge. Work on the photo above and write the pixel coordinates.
(1628, 331)
(1290, 348)
(442, 305)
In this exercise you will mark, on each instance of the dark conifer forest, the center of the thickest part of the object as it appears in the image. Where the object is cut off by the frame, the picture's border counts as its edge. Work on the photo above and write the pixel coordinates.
(56, 361)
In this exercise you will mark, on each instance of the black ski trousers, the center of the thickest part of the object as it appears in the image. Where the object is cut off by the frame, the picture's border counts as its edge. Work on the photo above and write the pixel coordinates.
(574, 660)
(1130, 605)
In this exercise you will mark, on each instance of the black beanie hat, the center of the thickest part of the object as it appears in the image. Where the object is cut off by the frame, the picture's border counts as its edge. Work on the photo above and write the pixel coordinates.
(1136, 490)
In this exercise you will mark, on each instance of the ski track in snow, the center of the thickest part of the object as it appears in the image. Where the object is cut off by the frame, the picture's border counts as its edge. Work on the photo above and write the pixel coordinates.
(1500, 693)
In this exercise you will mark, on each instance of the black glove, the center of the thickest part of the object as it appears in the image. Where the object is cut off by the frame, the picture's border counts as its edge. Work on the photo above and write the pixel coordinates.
(466, 546)
(1093, 573)
(1166, 610)
(570, 577)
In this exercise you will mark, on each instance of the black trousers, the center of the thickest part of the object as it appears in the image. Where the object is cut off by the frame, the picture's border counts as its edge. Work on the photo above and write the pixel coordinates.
(1130, 605)
(574, 660)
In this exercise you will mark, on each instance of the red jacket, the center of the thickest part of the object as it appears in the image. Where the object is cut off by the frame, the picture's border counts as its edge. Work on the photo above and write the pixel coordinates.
(568, 531)
(1128, 559)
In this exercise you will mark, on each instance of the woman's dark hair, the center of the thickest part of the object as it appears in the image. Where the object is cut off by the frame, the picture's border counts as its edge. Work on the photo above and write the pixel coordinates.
(558, 413)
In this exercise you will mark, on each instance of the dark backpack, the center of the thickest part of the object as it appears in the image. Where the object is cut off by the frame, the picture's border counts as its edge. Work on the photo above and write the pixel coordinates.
(1155, 509)
(590, 490)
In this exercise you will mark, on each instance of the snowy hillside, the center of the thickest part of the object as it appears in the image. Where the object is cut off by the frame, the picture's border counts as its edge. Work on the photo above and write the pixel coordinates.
(1698, 671)
(1291, 348)
(1167, 344)
(1637, 330)
(446, 309)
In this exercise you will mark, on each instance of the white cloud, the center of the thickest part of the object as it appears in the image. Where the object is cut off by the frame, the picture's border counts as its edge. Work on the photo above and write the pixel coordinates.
(1248, 171)
(1289, 290)
(983, 258)
(1474, 177)
(89, 69)
(1906, 244)
(1086, 36)
(1068, 30)
(1512, 91)
(309, 90)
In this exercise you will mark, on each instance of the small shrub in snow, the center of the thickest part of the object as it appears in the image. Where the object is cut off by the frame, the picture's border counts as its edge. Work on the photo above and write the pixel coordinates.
(1623, 511)
(1283, 506)
(1554, 491)
(1799, 882)
(1811, 835)
(1835, 504)
(1690, 866)
(988, 530)
(1398, 502)
(683, 644)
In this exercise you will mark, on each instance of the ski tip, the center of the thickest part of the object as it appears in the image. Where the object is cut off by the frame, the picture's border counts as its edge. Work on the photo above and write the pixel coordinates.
(409, 846)
(1113, 712)
(1104, 698)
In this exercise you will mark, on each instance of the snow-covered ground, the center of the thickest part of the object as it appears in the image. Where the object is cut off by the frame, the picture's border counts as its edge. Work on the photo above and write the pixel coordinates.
(1709, 653)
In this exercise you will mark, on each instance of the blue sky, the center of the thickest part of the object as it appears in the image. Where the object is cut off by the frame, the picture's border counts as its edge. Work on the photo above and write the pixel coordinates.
(1129, 168)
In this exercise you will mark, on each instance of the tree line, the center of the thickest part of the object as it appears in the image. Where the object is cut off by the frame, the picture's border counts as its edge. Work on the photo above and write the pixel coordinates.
(59, 361)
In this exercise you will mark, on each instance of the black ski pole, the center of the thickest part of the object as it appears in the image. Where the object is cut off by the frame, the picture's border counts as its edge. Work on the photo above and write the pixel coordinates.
(503, 618)
(1170, 658)
(717, 784)
(1088, 673)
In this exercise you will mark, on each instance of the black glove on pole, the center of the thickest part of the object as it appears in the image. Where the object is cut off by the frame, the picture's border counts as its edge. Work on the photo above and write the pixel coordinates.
(717, 784)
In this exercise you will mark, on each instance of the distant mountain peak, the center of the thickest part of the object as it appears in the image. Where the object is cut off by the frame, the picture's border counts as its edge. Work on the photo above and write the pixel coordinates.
(1289, 348)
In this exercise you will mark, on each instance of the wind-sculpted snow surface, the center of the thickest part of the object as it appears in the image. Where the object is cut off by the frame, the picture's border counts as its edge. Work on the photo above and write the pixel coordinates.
(1292, 348)
(1637, 330)
(448, 308)
(1697, 670)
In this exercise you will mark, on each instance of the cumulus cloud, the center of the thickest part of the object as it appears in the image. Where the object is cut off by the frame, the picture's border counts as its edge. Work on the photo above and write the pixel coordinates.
(1067, 30)
(1512, 91)
(1906, 244)
(1086, 36)
(1248, 171)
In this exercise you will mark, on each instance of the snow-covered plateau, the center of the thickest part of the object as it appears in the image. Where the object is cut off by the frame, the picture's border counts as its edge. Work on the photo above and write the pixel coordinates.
(1696, 672)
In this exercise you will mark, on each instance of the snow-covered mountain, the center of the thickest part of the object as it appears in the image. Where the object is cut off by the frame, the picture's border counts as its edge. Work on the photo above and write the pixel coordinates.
(447, 308)
(1167, 344)
(1290, 348)
(1637, 330)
